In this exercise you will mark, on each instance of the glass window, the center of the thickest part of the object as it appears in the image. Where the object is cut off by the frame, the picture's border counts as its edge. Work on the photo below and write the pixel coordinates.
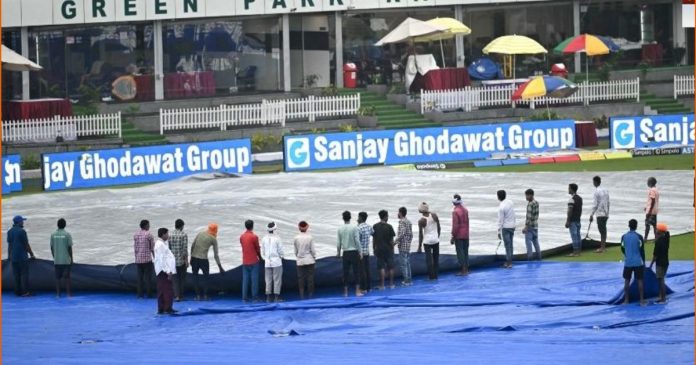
(382, 65)
(12, 80)
(83, 63)
(547, 24)
(644, 32)
(311, 50)
(219, 57)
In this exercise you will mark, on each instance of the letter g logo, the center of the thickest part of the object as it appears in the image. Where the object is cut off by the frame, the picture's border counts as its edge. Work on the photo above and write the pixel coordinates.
(623, 134)
(297, 152)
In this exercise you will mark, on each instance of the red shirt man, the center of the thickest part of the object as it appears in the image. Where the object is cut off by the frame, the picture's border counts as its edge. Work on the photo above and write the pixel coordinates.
(251, 250)
(460, 233)
(251, 255)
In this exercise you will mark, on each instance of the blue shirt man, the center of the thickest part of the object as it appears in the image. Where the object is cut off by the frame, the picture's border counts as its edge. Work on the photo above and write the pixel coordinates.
(17, 250)
(634, 259)
(633, 249)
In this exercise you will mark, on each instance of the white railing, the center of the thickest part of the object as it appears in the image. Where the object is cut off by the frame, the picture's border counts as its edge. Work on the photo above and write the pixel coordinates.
(473, 98)
(223, 116)
(683, 85)
(313, 107)
(68, 128)
(274, 112)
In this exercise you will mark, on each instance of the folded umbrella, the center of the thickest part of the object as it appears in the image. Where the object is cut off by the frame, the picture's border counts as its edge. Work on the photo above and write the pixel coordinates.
(550, 86)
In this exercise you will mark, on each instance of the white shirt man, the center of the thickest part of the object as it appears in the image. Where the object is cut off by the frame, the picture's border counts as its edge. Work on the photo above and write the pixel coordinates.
(164, 258)
(506, 226)
(165, 267)
(272, 253)
(506, 215)
(600, 206)
(600, 209)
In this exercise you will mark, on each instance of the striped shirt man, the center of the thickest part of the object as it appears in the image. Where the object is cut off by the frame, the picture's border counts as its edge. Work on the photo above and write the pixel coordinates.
(404, 235)
(144, 246)
(532, 220)
(178, 244)
(365, 231)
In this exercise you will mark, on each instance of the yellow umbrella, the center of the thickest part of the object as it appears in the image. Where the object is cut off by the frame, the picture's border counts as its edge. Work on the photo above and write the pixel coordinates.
(514, 45)
(453, 27)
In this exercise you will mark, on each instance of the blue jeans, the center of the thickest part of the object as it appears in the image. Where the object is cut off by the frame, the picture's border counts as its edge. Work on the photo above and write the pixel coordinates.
(575, 236)
(250, 274)
(531, 238)
(405, 262)
(507, 234)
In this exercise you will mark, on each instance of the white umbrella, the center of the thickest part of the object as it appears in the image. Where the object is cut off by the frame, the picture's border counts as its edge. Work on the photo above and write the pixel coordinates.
(408, 29)
(13, 61)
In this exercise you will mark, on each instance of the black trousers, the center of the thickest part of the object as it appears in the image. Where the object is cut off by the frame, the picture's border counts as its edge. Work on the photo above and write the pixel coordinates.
(20, 273)
(351, 259)
(179, 281)
(432, 259)
(145, 273)
(305, 275)
(200, 265)
(366, 277)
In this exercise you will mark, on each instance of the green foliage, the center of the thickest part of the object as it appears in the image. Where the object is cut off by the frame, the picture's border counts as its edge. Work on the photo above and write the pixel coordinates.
(397, 88)
(367, 111)
(89, 98)
(132, 109)
(545, 115)
(55, 91)
(330, 90)
(671, 162)
(31, 162)
(603, 72)
(85, 109)
(601, 122)
(317, 130)
(680, 248)
(346, 128)
(89, 95)
(311, 80)
(643, 67)
(262, 142)
(608, 66)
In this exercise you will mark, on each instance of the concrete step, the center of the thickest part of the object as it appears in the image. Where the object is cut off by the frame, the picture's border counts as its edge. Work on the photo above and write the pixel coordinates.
(399, 117)
(673, 110)
(661, 102)
(413, 125)
(400, 122)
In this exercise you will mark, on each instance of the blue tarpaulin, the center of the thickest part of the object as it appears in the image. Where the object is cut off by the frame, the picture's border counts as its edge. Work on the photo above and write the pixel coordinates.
(535, 313)
(484, 68)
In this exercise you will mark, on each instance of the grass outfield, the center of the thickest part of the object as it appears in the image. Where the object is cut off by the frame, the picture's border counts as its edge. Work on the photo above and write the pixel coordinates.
(672, 162)
(681, 247)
